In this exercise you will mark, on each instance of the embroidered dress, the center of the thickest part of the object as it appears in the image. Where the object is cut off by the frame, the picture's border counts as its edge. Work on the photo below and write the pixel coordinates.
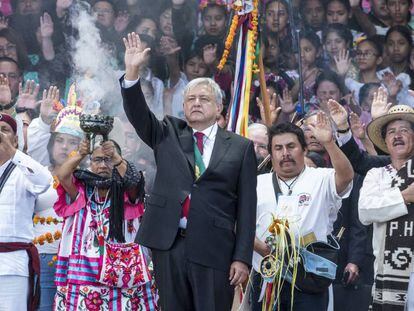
(79, 258)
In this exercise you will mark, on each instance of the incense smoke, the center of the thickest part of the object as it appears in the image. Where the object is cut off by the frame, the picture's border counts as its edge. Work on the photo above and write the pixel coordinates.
(95, 73)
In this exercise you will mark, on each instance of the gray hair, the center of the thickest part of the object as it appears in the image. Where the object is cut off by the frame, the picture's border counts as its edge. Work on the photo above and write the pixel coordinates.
(210, 83)
(257, 126)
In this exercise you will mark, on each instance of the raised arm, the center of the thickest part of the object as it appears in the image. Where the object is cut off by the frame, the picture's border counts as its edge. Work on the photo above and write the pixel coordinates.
(65, 171)
(147, 126)
(322, 131)
(361, 161)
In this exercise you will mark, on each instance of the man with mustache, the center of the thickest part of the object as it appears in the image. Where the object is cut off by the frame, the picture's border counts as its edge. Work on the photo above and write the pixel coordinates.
(386, 201)
(309, 197)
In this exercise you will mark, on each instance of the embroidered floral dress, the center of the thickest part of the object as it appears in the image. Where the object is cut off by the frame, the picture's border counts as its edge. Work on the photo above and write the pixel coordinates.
(80, 259)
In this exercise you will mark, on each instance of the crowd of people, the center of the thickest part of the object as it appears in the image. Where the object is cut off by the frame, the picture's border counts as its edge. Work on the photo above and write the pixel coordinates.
(173, 212)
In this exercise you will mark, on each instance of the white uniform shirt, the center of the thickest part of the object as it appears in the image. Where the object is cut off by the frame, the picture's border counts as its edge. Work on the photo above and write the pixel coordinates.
(17, 201)
(316, 204)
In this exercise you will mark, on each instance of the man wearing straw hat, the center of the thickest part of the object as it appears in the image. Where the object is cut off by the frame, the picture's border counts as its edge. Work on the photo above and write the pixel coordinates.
(386, 201)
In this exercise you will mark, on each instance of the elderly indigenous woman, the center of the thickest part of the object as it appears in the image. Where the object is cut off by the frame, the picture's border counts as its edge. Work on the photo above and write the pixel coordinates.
(386, 201)
(98, 267)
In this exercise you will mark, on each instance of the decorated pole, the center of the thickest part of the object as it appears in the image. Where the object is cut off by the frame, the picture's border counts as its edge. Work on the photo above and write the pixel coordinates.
(245, 21)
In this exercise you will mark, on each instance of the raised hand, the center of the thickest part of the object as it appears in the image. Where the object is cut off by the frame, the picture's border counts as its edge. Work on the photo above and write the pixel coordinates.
(5, 93)
(393, 85)
(322, 129)
(210, 54)
(84, 147)
(357, 127)
(4, 22)
(121, 21)
(338, 114)
(274, 108)
(46, 26)
(47, 113)
(62, 6)
(380, 105)
(286, 102)
(28, 95)
(342, 62)
(109, 150)
(168, 46)
(135, 56)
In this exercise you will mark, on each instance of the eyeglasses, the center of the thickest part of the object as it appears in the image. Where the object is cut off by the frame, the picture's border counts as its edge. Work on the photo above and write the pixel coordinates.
(367, 54)
(99, 160)
(9, 48)
(260, 146)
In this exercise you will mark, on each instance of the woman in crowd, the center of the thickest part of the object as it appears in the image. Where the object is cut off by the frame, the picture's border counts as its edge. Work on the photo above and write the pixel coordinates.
(398, 76)
(328, 85)
(369, 58)
(337, 43)
(214, 18)
(101, 207)
(58, 145)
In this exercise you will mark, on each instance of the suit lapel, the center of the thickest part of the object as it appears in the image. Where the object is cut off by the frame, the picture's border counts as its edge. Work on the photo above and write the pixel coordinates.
(220, 148)
(187, 145)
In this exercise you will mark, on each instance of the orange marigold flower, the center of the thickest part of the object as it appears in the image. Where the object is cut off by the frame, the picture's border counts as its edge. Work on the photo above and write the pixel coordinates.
(57, 235)
(41, 239)
(36, 219)
(49, 237)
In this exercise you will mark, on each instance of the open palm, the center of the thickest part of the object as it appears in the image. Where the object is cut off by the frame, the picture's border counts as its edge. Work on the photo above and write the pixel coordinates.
(5, 93)
(322, 129)
(135, 54)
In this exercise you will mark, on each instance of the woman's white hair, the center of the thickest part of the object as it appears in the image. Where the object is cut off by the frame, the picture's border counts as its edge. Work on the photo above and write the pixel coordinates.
(210, 83)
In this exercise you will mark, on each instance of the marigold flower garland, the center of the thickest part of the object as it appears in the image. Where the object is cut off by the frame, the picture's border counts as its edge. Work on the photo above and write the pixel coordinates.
(237, 6)
(48, 236)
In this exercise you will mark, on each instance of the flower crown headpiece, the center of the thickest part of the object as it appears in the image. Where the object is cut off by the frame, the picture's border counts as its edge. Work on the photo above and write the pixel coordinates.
(67, 121)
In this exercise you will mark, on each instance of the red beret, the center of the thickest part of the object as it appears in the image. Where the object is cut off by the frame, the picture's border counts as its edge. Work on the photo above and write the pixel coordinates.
(9, 120)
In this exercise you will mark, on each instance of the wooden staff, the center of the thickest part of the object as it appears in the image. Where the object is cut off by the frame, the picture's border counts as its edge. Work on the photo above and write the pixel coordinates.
(263, 89)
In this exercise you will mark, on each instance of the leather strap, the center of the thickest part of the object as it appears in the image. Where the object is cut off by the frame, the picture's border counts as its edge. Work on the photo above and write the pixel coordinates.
(6, 174)
(276, 186)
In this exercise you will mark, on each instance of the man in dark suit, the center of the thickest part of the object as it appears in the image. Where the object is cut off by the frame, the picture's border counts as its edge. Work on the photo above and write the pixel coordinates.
(204, 174)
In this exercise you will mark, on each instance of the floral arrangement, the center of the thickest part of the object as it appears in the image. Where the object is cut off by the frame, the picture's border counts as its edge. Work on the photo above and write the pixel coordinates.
(47, 237)
(46, 220)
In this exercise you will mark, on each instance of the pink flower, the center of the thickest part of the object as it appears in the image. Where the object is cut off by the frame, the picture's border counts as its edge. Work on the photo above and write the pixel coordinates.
(93, 301)
(135, 303)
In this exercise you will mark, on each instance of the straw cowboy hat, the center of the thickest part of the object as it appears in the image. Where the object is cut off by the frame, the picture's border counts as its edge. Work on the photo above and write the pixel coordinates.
(398, 112)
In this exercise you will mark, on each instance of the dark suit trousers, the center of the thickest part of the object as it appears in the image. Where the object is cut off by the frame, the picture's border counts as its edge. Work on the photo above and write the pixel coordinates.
(187, 286)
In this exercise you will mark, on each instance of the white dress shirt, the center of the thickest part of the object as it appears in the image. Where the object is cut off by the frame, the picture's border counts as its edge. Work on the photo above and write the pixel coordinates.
(208, 142)
(17, 201)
